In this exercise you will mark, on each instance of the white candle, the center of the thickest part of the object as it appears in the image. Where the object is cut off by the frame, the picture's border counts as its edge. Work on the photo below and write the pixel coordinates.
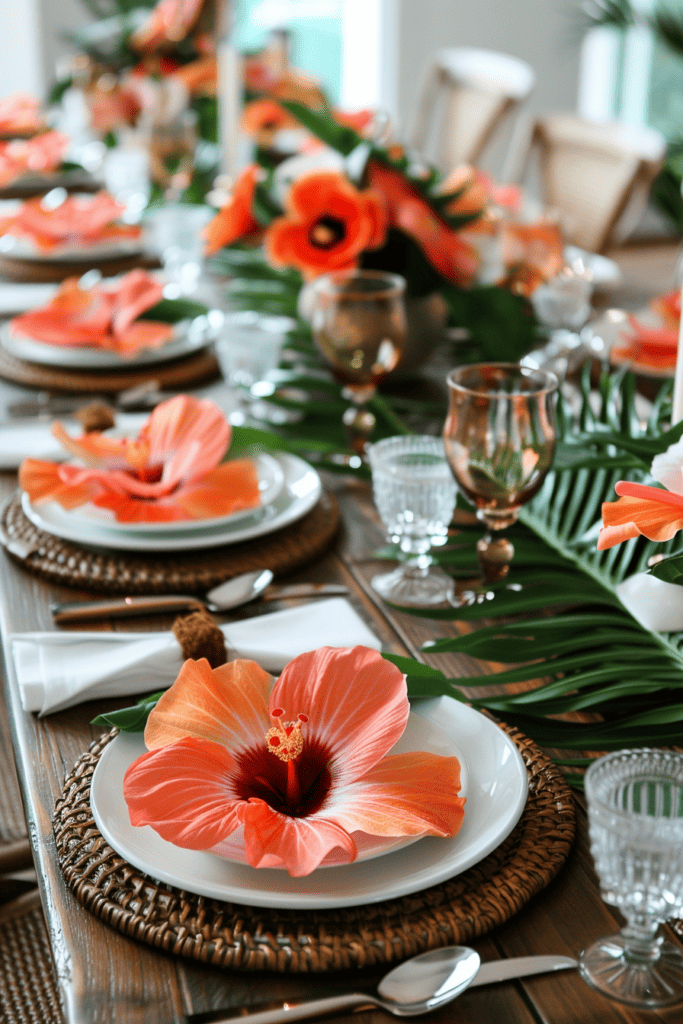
(229, 94)
(677, 406)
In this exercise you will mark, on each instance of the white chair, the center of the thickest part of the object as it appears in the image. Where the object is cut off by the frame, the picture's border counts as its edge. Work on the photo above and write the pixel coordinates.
(467, 96)
(595, 175)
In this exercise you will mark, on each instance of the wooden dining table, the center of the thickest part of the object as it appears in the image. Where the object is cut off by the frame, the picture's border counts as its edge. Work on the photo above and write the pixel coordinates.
(104, 976)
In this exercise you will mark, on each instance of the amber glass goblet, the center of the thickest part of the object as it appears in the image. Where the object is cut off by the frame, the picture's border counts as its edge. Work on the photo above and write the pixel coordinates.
(359, 326)
(499, 437)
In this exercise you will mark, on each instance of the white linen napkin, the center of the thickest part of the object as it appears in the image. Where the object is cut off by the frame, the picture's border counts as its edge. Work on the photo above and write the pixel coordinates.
(57, 670)
(19, 298)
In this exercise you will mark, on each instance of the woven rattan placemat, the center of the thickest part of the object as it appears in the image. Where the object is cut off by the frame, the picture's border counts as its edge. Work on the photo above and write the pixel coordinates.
(188, 371)
(178, 572)
(254, 938)
(47, 271)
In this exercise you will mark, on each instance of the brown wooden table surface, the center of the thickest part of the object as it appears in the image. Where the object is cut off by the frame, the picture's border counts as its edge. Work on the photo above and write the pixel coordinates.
(106, 977)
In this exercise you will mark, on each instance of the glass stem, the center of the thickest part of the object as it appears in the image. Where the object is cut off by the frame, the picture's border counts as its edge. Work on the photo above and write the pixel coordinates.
(641, 942)
(494, 554)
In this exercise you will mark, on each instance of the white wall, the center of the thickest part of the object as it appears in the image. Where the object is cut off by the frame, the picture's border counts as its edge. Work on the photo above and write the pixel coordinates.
(542, 32)
(20, 58)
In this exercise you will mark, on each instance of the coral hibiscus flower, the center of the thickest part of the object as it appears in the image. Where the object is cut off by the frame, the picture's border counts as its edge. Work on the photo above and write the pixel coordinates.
(78, 221)
(328, 224)
(170, 21)
(39, 155)
(171, 472)
(99, 317)
(20, 115)
(300, 764)
(533, 253)
(235, 220)
(652, 512)
(668, 307)
(262, 119)
(453, 257)
(656, 347)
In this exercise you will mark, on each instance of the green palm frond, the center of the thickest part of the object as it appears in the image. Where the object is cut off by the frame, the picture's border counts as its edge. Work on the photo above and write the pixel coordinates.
(592, 655)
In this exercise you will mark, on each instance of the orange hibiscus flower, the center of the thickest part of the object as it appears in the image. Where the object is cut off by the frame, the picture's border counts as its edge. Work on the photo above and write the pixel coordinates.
(652, 512)
(328, 223)
(263, 119)
(99, 317)
(171, 472)
(40, 155)
(453, 257)
(533, 253)
(235, 220)
(222, 755)
(656, 347)
(668, 307)
(78, 221)
(20, 115)
(169, 22)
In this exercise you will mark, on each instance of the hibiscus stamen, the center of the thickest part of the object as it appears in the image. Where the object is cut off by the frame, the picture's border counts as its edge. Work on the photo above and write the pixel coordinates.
(285, 740)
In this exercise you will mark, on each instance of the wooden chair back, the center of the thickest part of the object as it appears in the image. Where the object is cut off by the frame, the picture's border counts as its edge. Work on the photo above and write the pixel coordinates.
(467, 96)
(595, 175)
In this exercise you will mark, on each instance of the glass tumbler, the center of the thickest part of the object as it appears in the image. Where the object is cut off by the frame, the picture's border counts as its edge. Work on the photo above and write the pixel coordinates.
(635, 818)
(415, 496)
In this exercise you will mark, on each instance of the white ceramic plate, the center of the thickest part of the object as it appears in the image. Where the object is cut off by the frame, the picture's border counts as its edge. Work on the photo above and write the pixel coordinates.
(187, 338)
(271, 480)
(107, 794)
(301, 491)
(496, 794)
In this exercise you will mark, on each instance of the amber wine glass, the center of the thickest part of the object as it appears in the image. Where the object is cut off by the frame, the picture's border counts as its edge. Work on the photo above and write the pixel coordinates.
(359, 326)
(499, 437)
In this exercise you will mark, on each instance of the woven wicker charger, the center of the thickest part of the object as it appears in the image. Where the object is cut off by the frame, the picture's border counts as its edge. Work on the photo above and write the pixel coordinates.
(48, 271)
(254, 938)
(121, 572)
(188, 371)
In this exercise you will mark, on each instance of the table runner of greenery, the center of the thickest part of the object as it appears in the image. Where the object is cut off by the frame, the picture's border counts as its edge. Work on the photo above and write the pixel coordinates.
(569, 627)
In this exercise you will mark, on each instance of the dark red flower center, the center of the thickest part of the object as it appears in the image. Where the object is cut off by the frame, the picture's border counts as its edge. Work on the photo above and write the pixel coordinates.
(262, 775)
(147, 474)
(326, 232)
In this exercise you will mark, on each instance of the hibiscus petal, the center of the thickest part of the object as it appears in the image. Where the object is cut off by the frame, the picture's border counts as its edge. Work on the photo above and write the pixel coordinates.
(630, 516)
(42, 482)
(299, 843)
(137, 292)
(183, 792)
(231, 487)
(356, 702)
(143, 334)
(226, 705)
(408, 794)
(186, 434)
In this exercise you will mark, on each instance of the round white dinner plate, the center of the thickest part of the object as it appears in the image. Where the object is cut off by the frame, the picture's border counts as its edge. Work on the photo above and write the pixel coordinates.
(496, 794)
(187, 338)
(419, 734)
(302, 489)
(648, 318)
(24, 249)
(271, 479)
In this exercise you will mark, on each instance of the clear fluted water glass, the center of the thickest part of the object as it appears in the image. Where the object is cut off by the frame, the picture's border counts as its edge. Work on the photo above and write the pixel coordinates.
(635, 818)
(415, 496)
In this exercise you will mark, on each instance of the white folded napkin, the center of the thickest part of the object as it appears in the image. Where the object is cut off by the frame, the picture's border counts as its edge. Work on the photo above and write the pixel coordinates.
(19, 298)
(56, 670)
(656, 604)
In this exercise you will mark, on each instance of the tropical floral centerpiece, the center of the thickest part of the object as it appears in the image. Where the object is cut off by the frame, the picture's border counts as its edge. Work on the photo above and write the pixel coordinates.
(302, 764)
(171, 472)
(357, 203)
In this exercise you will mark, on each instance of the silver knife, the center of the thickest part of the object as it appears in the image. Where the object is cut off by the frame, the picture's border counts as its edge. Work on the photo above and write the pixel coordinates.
(488, 974)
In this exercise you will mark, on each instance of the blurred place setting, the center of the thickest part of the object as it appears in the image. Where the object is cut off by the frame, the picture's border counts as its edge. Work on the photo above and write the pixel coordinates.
(341, 604)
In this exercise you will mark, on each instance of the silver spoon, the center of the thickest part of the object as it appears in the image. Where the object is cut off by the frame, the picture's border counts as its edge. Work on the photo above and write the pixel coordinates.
(416, 986)
(231, 594)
